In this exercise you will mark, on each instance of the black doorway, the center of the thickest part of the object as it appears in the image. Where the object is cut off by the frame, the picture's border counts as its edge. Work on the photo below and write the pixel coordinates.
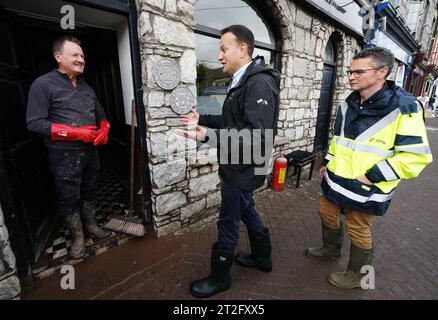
(326, 98)
(27, 193)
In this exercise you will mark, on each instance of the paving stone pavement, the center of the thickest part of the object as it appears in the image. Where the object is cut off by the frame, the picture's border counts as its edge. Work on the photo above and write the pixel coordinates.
(405, 260)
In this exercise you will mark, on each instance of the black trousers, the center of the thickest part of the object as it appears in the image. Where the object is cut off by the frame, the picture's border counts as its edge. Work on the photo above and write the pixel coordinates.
(236, 205)
(76, 174)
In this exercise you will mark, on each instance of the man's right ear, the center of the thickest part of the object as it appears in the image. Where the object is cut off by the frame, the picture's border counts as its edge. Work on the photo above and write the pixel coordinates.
(56, 56)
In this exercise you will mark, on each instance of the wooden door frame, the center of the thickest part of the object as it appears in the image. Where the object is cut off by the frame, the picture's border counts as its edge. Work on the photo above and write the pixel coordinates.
(128, 8)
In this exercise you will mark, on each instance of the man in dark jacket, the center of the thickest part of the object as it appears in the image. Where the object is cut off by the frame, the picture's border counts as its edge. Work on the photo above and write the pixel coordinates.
(65, 110)
(247, 126)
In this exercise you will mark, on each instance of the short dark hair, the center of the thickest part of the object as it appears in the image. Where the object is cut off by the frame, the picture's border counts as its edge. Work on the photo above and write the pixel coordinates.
(243, 34)
(58, 44)
(381, 57)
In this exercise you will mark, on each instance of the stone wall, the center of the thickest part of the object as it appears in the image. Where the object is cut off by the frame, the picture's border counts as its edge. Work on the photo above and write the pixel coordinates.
(302, 66)
(184, 182)
(426, 26)
(9, 283)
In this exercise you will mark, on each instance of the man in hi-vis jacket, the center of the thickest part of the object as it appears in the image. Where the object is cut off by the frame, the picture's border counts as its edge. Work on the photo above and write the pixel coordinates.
(379, 139)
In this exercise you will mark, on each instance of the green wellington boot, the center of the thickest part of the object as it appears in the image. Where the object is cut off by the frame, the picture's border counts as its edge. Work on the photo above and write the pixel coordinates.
(351, 278)
(74, 225)
(331, 247)
(88, 210)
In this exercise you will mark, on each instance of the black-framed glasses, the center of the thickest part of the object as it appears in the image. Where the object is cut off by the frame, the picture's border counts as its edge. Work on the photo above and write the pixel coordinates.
(360, 72)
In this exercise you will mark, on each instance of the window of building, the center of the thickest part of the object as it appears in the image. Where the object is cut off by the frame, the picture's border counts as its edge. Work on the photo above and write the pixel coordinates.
(211, 17)
(400, 77)
(330, 52)
(415, 9)
(427, 87)
(395, 3)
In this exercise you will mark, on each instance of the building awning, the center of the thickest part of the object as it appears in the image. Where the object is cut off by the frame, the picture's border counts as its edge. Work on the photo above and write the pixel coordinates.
(401, 54)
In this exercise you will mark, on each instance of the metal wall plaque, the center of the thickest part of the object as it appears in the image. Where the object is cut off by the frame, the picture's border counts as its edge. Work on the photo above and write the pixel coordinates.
(182, 100)
(167, 73)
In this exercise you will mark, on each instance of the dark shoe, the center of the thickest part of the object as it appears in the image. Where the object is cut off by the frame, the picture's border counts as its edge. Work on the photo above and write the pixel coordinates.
(219, 279)
(260, 257)
(332, 244)
(88, 210)
(351, 278)
(74, 225)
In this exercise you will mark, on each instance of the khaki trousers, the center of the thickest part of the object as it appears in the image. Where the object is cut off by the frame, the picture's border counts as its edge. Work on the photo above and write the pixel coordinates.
(357, 224)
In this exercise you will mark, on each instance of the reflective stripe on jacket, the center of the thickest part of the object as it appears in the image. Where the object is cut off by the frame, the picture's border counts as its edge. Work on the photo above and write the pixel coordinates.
(383, 138)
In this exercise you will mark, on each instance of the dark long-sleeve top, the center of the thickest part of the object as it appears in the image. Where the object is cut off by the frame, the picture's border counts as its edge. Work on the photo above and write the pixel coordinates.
(53, 99)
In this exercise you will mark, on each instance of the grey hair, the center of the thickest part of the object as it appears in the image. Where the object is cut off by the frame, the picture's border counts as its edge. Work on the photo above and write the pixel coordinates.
(381, 57)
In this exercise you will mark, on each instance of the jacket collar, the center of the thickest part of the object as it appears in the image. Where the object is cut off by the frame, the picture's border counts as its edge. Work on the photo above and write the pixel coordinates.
(379, 103)
(256, 66)
(238, 75)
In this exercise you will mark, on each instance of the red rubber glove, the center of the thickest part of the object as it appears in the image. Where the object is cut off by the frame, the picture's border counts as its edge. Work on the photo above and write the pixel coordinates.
(102, 133)
(89, 127)
(62, 132)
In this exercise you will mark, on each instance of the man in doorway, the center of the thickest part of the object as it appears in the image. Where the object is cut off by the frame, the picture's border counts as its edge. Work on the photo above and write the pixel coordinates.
(64, 109)
(379, 139)
(251, 104)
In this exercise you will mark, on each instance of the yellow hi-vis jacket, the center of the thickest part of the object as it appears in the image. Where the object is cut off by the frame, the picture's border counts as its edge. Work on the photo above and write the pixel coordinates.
(385, 139)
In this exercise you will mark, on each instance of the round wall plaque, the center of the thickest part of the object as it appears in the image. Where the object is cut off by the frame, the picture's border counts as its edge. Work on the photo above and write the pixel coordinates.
(182, 100)
(167, 73)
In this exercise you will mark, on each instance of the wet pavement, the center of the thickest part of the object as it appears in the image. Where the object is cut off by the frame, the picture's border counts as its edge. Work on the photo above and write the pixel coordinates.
(405, 259)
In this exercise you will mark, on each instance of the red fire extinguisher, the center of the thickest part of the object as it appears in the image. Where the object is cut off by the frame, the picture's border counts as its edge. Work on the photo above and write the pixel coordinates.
(279, 176)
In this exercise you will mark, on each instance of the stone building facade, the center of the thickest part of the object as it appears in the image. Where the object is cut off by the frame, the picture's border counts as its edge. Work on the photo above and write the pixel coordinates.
(425, 23)
(9, 283)
(185, 184)
(184, 181)
(422, 22)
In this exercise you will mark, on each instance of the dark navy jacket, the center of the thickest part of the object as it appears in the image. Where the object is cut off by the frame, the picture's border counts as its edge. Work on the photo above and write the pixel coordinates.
(251, 104)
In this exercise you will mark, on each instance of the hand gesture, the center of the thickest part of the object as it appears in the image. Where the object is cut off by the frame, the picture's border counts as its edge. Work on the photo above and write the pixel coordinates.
(198, 134)
(190, 119)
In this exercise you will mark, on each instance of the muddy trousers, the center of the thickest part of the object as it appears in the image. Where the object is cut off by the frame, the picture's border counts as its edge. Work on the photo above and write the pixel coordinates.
(76, 174)
(357, 224)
